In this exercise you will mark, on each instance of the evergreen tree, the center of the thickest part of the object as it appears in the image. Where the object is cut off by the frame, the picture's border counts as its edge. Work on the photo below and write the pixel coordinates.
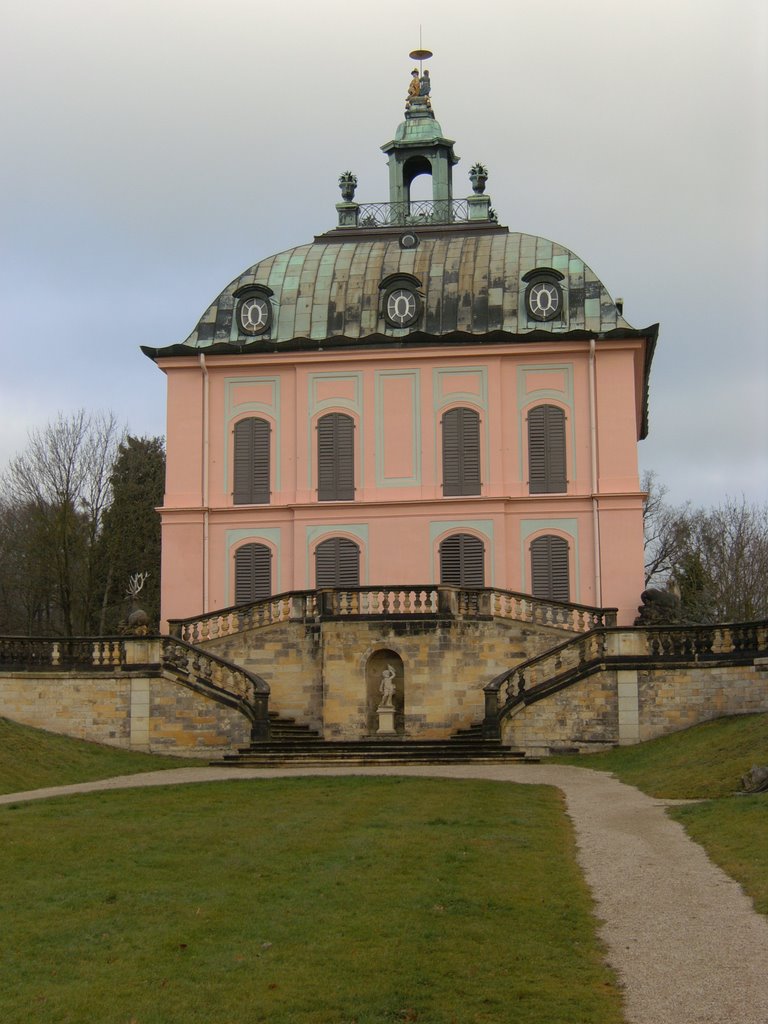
(130, 539)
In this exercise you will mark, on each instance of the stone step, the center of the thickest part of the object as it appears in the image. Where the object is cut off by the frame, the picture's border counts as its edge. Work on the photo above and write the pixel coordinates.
(330, 761)
(377, 747)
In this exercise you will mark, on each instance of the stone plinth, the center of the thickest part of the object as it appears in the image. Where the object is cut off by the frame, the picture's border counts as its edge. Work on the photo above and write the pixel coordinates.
(386, 722)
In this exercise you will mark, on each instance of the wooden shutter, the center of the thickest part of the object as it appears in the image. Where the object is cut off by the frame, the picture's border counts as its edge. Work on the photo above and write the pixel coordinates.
(337, 563)
(546, 450)
(335, 457)
(462, 561)
(251, 462)
(253, 573)
(461, 452)
(549, 569)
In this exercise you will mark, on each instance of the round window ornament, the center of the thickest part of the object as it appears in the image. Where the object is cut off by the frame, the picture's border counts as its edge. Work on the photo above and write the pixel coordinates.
(254, 315)
(401, 307)
(544, 300)
(409, 240)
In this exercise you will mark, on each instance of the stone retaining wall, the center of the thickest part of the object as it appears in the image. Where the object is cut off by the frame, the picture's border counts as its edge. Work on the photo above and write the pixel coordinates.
(134, 711)
(317, 673)
(627, 706)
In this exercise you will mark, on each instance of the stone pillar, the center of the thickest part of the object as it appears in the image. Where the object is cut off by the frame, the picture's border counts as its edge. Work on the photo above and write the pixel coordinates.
(629, 707)
(139, 712)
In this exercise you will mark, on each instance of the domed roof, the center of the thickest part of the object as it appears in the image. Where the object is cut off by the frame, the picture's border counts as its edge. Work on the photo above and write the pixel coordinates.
(471, 284)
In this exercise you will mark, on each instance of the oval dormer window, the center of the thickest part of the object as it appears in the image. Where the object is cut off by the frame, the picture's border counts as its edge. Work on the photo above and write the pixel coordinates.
(544, 294)
(254, 311)
(401, 303)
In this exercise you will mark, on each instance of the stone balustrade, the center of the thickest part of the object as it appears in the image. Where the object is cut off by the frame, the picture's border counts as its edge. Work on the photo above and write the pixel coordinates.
(220, 679)
(618, 648)
(384, 602)
(65, 654)
(208, 674)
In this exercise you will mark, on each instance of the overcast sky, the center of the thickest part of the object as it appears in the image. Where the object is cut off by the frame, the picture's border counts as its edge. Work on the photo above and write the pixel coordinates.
(153, 149)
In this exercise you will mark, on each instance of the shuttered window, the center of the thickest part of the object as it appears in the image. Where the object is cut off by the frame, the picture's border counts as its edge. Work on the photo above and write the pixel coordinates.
(251, 458)
(461, 452)
(546, 450)
(462, 561)
(337, 563)
(335, 457)
(549, 568)
(253, 573)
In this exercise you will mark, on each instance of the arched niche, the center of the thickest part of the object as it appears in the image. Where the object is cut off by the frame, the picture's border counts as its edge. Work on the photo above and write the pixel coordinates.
(375, 666)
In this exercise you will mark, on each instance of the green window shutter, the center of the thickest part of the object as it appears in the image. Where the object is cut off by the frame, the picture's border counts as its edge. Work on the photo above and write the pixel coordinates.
(337, 563)
(461, 452)
(549, 569)
(251, 462)
(546, 450)
(462, 561)
(335, 457)
(253, 573)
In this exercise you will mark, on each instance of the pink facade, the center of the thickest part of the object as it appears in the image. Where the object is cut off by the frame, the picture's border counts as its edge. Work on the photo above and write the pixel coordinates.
(399, 514)
(474, 396)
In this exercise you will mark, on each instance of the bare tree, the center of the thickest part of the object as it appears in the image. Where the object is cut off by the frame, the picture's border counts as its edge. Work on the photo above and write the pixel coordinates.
(665, 529)
(59, 488)
(716, 559)
(723, 571)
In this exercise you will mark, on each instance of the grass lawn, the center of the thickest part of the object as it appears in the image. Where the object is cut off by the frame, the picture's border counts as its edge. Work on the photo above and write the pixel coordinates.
(706, 762)
(735, 834)
(33, 758)
(298, 901)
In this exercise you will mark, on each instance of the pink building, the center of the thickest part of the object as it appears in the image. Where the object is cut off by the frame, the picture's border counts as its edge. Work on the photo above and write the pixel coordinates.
(418, 395)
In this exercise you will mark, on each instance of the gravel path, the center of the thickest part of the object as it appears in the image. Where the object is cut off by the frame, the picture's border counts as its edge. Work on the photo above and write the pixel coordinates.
(682, 937)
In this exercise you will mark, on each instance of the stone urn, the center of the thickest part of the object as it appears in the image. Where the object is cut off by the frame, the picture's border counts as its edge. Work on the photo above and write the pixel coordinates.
(478, 175)
(347, 184)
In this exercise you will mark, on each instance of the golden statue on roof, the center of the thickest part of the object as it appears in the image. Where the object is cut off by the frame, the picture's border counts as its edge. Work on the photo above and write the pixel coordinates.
(417, 101)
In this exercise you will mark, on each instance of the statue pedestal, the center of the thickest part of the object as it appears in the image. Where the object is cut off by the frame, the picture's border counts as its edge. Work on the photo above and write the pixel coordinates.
(386, 722)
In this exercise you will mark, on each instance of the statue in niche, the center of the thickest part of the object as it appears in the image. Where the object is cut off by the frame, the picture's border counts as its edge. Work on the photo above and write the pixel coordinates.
(387, 687)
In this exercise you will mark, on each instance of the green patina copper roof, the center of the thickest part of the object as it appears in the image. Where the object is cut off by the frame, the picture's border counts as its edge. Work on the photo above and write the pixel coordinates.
(420, 130)
(471, 284)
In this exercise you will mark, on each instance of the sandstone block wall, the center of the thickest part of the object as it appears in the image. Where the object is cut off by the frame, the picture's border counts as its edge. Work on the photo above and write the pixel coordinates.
(88, 708)
(585, 715)
(128, 710)
(629, 706)
(676, 699)
(318, 674)
(288, 655)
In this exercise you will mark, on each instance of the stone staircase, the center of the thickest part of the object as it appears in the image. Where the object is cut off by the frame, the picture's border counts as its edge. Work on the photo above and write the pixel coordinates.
(294, 745)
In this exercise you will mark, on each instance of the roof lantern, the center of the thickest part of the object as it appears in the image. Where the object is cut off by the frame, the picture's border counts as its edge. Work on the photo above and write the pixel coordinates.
(419, 147)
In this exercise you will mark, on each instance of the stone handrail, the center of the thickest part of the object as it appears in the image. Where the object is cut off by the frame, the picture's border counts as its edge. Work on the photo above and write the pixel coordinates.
(579, 657)
(221, 680)
(396, 601)
(296, 606)
(64, 654)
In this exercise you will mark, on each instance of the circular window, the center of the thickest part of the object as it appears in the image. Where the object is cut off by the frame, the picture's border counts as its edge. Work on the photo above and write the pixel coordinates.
(409, 240)
(544, 300)
(254, 315)
(402, 307)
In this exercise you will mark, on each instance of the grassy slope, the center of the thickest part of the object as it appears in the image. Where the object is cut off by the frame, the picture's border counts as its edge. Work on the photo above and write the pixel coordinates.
(32, 758)
(707, 762)
(299, 901)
